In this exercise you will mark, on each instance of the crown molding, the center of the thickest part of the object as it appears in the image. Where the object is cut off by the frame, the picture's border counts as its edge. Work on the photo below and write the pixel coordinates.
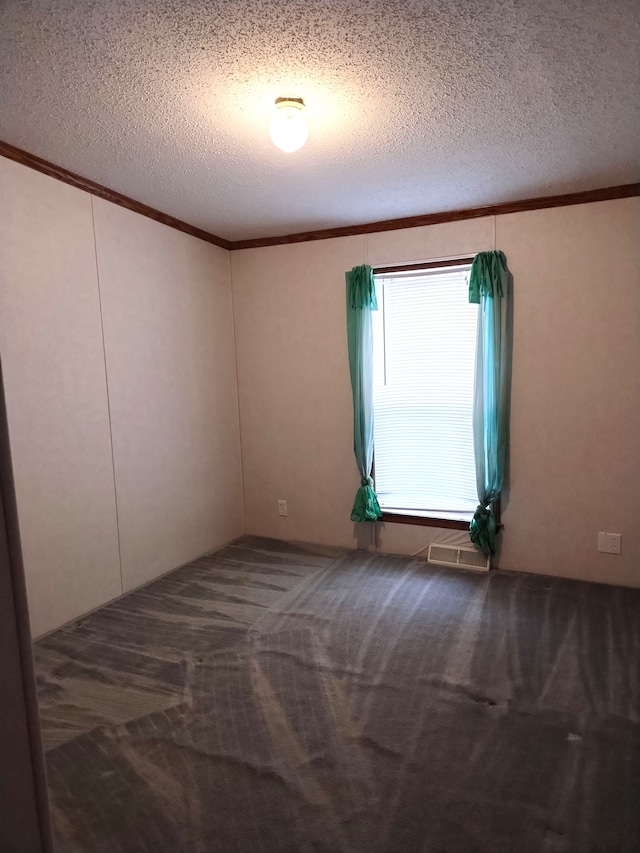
(61, 174)
(605, 194)
(47, 168)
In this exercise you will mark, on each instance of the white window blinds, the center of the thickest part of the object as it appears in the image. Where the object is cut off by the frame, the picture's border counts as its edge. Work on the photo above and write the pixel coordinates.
(424, 353)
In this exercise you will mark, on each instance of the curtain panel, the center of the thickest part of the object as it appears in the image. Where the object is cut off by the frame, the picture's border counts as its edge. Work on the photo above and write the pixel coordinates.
(361, 301)
(489, 286)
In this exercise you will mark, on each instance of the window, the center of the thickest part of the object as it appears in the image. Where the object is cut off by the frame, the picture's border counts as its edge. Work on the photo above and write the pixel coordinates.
(424, 353)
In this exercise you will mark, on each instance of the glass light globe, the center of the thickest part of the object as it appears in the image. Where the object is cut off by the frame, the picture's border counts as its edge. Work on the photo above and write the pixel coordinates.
(288, 128)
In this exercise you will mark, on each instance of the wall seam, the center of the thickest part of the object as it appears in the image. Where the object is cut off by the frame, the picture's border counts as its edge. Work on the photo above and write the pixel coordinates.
(106, 382)
(235, 358)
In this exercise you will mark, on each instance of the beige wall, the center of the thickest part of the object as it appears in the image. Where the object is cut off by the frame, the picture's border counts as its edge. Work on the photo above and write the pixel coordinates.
(52, 358)
(171, 402)
(575, 458)
(166, 304)
(575, 466)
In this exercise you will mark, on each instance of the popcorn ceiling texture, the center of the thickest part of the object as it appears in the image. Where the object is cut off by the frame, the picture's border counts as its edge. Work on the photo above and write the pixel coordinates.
(413, 107)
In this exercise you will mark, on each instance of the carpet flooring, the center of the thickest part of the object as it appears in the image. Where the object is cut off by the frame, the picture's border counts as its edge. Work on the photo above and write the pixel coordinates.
(278, 697)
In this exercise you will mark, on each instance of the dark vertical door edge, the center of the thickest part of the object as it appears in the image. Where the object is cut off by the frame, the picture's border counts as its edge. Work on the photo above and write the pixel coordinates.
(25, 825)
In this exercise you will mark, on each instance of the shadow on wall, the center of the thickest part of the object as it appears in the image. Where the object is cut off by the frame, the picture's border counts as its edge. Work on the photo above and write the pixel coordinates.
(365, 535)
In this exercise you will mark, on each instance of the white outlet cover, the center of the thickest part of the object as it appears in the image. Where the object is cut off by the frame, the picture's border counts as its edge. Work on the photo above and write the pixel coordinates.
(610, 543)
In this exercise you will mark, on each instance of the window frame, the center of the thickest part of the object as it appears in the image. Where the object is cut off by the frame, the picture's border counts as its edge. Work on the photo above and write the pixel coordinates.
(426, 520)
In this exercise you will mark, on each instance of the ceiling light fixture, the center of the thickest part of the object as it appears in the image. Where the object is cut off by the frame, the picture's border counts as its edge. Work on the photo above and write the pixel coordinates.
(288, 128)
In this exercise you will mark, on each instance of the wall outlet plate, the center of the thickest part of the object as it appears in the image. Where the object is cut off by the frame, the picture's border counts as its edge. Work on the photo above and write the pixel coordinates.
(610, 543)
(282, 508)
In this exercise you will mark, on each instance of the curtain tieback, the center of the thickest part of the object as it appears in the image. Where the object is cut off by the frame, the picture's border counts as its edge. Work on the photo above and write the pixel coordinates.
(482, 512)
(366, 481)
(482, 529)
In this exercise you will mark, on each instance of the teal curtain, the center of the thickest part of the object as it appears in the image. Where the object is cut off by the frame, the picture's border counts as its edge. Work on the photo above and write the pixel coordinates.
(488, 286)
(361, 301)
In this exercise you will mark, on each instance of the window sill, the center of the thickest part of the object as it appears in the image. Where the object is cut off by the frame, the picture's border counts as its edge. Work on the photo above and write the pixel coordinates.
(436, 521)
(425, 520)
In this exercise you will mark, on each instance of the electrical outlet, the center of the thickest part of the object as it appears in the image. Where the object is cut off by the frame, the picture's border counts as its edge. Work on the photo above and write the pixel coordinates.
(610, 543)
(282, 508)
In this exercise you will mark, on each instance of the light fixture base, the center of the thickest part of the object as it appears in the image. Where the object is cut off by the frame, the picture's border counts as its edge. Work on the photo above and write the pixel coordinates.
(296, 103)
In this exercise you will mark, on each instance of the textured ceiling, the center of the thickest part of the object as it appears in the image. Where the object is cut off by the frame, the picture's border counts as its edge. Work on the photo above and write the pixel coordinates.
(413, 107)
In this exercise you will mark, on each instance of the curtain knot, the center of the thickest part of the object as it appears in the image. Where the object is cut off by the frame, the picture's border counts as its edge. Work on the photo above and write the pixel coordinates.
(482, 530)
(366, 481)
(365, 506)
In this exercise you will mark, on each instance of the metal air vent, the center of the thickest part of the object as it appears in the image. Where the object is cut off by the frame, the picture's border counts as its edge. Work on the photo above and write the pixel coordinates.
(458, 557)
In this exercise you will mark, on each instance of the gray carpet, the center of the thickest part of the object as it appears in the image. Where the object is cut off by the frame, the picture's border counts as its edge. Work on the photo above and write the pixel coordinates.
(274, 697)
